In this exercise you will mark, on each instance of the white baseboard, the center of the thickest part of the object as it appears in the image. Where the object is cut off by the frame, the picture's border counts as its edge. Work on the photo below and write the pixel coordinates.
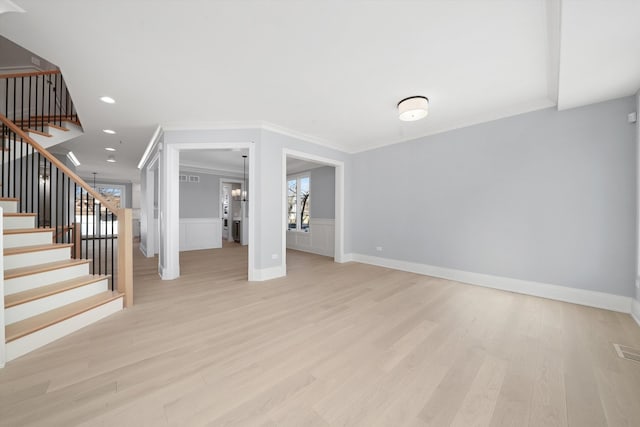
(635, 310)
(346, 258)
(555, 292)
(143, 249)
(262, 274)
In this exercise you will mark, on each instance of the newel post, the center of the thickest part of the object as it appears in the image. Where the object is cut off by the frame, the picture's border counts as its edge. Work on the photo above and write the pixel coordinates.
(125, 255)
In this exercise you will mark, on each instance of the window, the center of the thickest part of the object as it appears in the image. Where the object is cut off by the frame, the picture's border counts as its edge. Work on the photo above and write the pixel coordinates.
(99, 222)
(298, 202)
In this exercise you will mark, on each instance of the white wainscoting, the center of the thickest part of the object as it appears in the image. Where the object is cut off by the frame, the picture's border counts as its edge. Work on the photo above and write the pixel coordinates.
(320, 239)
(200, 233)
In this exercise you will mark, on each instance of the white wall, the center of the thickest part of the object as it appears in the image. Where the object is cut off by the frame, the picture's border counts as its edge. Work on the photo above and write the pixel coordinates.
(635, 311)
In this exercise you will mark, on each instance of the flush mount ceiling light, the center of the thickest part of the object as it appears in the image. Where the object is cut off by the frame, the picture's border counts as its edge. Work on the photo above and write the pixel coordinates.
(111, 159)
(413, 108)
(109, 148)
(73, 158)
(109, 131)
(108, 100)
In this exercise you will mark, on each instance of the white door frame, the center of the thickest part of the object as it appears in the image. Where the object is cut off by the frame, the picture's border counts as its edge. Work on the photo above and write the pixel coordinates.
(244, 212)
(339, 196)
(171, 253)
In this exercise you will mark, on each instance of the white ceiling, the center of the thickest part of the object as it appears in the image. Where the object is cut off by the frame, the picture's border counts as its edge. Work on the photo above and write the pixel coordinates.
(332, 70)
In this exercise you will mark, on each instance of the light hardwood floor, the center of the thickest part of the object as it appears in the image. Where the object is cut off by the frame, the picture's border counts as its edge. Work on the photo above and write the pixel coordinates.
(330, 344)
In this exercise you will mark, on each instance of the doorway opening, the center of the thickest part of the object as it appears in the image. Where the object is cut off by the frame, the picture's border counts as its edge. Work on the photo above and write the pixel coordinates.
(313, 205)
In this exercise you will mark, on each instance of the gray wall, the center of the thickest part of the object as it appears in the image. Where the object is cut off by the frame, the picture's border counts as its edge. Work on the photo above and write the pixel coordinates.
(14, 55)
(200, 200)
(545, 196)
(323, 192)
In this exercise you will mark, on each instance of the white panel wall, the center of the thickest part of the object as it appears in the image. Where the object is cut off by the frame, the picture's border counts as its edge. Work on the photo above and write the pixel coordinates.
(320, 239)
(200, 233)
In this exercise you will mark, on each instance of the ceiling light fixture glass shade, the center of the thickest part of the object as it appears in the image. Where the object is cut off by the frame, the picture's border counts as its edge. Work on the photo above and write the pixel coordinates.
(108, 100)
(111, 159)
(413, 108)
(109, 131)
(109, 148)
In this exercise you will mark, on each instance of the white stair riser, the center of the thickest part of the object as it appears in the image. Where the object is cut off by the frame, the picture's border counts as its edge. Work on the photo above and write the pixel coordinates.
(9, 206)
(24, 283)
(13, 222)
(34, 258)
(39, 306)
(27, 239)
(44, 336)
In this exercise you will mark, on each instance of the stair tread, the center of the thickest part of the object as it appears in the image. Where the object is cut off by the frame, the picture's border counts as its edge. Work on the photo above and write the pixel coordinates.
(26, 230)
(35, 248)
(41, 321)
(52, 289)
(51, 125)
(37, 132)
(41, 268)
(9, 199)
(19, 214)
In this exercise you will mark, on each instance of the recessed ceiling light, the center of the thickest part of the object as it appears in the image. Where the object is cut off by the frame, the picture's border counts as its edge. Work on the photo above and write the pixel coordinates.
(109, 131)
(413, 108)
(111, 159)
(73, 158)
(108, 100)
(109, 148)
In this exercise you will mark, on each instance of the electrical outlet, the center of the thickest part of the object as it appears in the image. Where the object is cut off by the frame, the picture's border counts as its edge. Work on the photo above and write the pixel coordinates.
(379, 248)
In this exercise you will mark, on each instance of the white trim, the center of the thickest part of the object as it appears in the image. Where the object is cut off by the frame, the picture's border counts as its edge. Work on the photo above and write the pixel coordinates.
(560, 293)
(339, 196)
(347, 258)
(3, 350)
(262, 274)
(218, 172)
(172, 192)
(635, 310)
(258, 125)
(152, 142)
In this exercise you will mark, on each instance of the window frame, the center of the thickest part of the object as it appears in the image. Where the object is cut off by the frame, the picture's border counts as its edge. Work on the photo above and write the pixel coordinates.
(298, 226)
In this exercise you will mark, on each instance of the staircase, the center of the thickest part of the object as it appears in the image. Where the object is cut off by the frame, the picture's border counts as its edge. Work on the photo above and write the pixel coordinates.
(66, 252)
(47, 294)
(51, 134)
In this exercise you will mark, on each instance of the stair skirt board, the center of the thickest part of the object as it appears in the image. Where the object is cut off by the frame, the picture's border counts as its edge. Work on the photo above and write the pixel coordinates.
(9, 206)
(34, 258)
(33, 308)
(31, 281)
(27, 239)
(13, 222)
(28, 343)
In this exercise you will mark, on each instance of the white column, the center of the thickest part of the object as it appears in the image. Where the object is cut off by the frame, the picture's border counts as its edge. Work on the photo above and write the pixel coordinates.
(147, 228)
(169, 214)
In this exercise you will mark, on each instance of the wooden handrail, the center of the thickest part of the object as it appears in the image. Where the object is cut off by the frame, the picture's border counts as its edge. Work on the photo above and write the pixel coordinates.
(54, 160)
(29, 74)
